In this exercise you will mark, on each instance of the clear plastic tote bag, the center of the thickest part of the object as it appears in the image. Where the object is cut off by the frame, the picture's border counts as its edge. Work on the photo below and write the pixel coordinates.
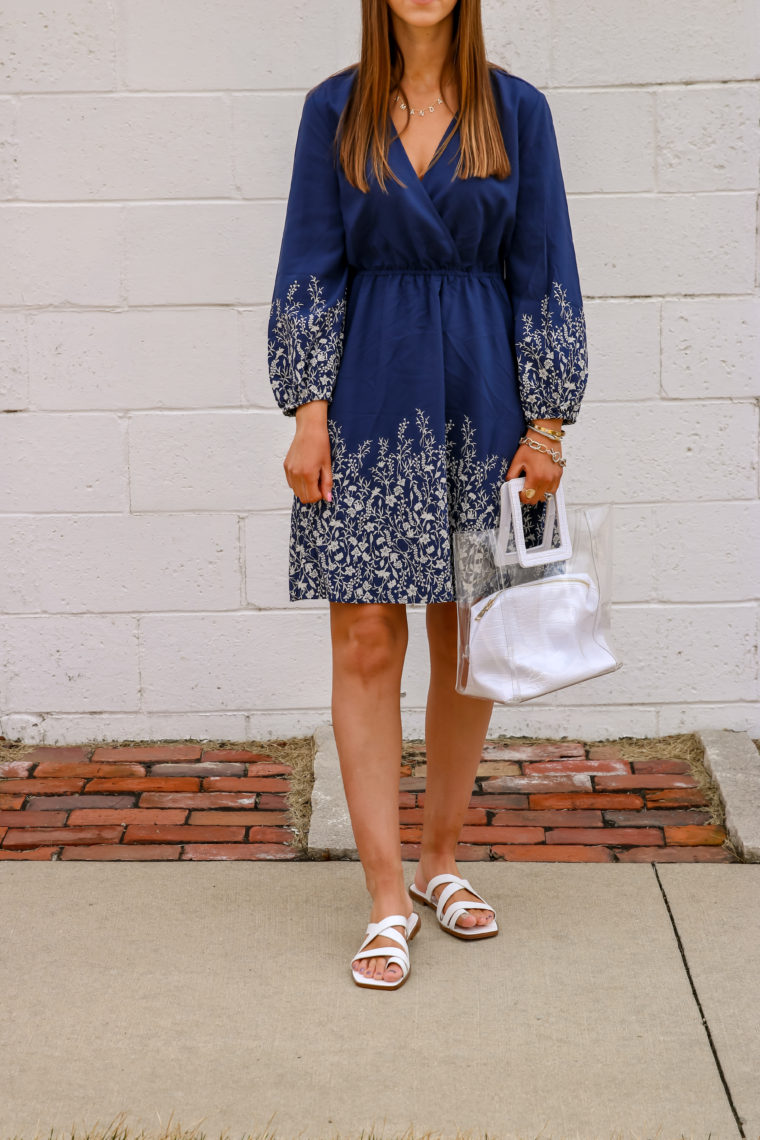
(533, 619)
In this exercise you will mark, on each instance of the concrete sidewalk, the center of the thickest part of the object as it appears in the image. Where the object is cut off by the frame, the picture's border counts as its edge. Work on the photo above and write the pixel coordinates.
(617, 999)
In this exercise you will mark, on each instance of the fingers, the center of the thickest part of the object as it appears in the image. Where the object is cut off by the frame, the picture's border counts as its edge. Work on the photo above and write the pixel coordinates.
(308, 465)
(537, 490)
(310, 485)
(325, 483)
(540, 488)
(305, 485)
(542, 474)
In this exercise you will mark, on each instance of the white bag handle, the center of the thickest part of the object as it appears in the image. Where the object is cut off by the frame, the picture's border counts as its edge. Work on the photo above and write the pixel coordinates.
(511, 515)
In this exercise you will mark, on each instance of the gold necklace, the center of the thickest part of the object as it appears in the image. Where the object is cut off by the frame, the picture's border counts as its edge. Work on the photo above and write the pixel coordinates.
(431, 107)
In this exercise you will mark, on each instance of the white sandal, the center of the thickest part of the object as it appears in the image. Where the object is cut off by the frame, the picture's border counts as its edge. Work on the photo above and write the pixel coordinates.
(386, 927)
(448, 920)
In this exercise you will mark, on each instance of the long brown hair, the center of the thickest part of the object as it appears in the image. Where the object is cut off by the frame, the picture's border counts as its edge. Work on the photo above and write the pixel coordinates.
(364, 127)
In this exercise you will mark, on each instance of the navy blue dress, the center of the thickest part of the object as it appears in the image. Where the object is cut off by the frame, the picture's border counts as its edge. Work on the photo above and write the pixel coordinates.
(435, 318)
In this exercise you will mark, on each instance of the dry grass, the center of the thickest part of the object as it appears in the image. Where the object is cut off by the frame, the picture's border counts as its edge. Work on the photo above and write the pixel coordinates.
(14, 749)
(296, 751)
(118, 1130)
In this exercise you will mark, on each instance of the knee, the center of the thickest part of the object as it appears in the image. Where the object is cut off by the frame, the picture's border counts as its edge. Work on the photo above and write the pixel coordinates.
(371, 644)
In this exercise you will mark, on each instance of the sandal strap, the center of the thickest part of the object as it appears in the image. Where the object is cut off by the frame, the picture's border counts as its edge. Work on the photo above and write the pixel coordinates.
(455, 880)
(386, 952)
(458, 908)
(436, 880)
(468, 886)
(390, 920)
(452, 888)
(446, 892)
(453, 884)
(387, 927)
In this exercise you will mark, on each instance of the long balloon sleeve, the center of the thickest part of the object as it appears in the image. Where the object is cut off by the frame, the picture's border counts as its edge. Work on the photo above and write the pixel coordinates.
(308, 308)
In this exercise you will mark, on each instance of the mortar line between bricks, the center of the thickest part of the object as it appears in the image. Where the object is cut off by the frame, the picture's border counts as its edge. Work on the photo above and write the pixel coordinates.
(702, 1017)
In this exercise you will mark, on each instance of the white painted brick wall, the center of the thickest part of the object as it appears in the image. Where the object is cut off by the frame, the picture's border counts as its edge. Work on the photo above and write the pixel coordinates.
(145, 155)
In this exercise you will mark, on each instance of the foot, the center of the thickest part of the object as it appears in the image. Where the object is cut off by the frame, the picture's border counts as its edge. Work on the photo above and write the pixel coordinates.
(427, 870)
(378, 967)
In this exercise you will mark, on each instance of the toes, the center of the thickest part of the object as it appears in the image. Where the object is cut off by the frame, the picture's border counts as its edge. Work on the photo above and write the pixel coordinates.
(484, 917)
(377, 968)
(467, 918)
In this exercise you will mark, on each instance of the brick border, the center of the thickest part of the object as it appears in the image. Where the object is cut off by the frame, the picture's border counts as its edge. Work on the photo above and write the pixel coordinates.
(145, 802)
(542, 801)
(552, 801)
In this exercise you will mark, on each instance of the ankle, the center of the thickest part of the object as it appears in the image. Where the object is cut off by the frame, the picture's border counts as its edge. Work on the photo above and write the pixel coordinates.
(436, 862)
(383, 882)
(387, 892)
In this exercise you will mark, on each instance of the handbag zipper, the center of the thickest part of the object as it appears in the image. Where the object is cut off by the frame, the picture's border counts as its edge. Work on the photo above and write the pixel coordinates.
(523, 585)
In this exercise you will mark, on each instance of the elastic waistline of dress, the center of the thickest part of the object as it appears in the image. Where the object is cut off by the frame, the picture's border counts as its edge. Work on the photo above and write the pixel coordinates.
(395, 271)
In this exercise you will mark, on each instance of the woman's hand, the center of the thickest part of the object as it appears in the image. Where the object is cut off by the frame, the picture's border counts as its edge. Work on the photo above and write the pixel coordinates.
(542, 474)
(308, 466)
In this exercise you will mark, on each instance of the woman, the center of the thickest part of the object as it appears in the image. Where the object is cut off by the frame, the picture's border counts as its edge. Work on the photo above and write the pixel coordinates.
(426, 308)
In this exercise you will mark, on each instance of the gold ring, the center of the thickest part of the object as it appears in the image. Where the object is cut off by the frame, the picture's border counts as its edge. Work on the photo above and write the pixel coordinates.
(529, 493)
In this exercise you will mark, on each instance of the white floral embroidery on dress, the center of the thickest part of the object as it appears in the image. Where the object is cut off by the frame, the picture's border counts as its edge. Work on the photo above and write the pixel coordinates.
(305, 345)
(386, 535)
(553, 359)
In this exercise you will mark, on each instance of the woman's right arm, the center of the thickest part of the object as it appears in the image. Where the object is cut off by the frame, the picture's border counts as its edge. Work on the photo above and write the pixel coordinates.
(308, 467)
(308, 308)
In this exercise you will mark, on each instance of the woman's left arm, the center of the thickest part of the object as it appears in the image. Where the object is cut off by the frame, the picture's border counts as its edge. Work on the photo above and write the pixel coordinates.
(541, 274)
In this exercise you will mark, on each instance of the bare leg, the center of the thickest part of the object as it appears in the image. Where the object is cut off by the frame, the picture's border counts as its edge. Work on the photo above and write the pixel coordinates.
(369, 645)
(455, 729)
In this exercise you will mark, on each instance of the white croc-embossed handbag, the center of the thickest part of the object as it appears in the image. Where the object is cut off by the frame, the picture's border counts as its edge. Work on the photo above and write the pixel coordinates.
(533, 619)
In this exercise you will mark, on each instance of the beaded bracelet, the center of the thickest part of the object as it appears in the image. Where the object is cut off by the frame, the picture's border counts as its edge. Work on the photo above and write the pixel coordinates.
(534, 443)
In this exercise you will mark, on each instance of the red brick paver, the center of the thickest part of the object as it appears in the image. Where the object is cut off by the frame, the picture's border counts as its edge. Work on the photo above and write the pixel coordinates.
(145, 802)
(549, 801)
(566, 801)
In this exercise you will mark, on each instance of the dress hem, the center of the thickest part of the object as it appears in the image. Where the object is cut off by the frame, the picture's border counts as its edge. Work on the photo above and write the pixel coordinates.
(313, 596)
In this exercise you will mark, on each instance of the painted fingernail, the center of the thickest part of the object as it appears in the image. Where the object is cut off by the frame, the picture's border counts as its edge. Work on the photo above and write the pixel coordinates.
(329, 496)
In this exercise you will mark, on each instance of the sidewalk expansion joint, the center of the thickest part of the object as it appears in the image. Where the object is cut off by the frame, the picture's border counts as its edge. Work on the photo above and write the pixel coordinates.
(702, 1017)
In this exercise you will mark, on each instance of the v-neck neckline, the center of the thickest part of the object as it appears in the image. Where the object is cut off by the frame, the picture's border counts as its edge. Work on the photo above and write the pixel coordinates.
(397, 138)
